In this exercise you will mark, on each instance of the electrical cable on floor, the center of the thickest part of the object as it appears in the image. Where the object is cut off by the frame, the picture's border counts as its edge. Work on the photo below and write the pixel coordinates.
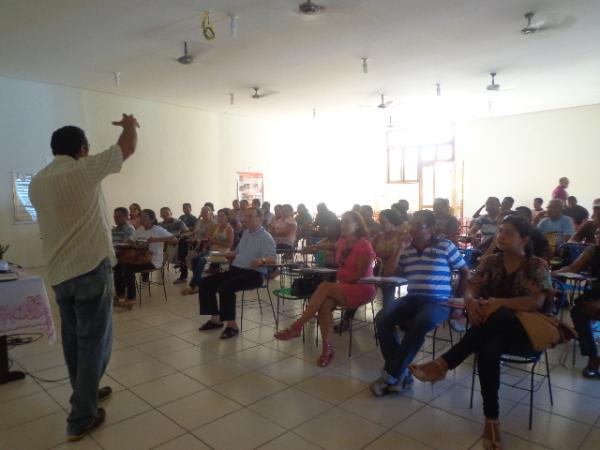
(14, 340)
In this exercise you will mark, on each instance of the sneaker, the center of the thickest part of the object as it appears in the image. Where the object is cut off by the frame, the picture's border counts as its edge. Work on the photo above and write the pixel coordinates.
(92, 426)
(180, 281)
(379, 387)
(406, 382)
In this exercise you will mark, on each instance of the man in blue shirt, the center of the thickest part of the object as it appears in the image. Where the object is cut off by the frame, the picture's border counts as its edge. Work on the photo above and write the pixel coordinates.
(556, 228)
(246, 271)
(427, 264)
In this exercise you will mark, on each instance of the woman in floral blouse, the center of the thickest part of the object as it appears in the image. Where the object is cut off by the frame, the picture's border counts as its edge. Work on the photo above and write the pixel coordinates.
(505, 286)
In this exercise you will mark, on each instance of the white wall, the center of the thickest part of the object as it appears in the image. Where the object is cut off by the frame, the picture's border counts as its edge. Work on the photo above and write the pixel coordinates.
(191, 155)
(524, 155)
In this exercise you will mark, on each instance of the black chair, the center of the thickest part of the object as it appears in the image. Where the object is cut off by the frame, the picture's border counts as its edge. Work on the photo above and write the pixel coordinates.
(145, 278)
(264, 285)
(524, 359)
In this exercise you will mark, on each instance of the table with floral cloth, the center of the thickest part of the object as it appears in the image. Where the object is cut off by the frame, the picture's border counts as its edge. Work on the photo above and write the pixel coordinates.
(24, 308)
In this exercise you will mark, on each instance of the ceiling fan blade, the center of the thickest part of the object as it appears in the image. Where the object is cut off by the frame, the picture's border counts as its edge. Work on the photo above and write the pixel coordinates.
(562, 24)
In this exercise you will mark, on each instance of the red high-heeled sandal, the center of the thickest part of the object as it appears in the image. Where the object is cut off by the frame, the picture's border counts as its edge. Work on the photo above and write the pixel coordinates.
(289, 333)
(325, 357)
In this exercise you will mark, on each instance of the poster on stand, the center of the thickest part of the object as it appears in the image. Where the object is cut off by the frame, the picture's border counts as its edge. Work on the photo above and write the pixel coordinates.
(250, 186)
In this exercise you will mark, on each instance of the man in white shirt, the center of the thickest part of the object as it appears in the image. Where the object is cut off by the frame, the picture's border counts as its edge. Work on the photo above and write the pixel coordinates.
(77, 245)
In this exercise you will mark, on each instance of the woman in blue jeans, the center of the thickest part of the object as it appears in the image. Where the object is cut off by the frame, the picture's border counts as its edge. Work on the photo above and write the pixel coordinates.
(511, 282)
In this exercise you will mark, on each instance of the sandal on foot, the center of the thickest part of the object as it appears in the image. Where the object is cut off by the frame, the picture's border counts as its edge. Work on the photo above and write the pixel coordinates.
(491, 435)
(288, 333)
(433, 371)
(229, 333)
(326, 356)
(210, 325)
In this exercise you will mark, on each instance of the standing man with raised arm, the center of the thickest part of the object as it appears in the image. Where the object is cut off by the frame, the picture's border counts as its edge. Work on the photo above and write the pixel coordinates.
(78, 249)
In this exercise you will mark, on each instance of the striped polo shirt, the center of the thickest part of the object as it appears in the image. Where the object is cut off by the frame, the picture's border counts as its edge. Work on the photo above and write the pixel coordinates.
(430, 273)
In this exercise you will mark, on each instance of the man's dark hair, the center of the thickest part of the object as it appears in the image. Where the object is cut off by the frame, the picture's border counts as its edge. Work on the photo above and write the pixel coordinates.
(572, 198)
(189, 205)
(210, 206)
(68, 141)
(538, 199)
(425, 216)
(150, 213)
(525, 211)
(256, 202)
(122, 210)
(166, 208)
(509, 200)
(258, 211)
(493, 199)
(392, 217)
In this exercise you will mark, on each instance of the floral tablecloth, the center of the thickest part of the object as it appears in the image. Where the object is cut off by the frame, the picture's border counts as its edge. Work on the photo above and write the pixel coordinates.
(24, 307)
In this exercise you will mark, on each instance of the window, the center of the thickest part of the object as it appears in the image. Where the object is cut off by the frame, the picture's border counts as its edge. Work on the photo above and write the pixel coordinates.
(423, 155)
(24, 211)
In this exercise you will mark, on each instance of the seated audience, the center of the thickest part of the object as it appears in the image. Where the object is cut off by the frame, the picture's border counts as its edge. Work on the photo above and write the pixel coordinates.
(486, 224)
(556, 228)
(187, 217)
(199, 248)
(388, 244)
(427, 263)
(155, 237)
(221, 238)
(587, 231)
(446, 225)
(267, 214)
(366, 211)
(175, 253)
(537, 208)
(539, 244)
(246, 271)
(283, 228)
(576, 212)
(354, 256)
(324, 250)
(304, 222)
(236, 212)
(587, 306)
(560, 191)
(122, 230)
(323, 219)
(512, 282)
(506, 206)
(135, 211)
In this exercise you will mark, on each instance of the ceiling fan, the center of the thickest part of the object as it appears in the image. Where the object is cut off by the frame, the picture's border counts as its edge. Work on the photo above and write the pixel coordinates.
(532, 27)
(186, 58)
(258, 95)
(308, 8)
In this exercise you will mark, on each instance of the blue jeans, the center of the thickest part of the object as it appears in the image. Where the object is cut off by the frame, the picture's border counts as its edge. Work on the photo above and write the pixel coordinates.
(417, 315)
(198, 263)
(86, 327)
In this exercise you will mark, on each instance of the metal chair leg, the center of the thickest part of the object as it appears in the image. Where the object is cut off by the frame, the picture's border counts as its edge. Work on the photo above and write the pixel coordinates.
(473, 381)
(548, 376)
(532, 389)
(242, 313)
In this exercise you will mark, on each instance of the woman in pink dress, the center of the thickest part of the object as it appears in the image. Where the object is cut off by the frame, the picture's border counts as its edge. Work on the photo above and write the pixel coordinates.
(354, 257)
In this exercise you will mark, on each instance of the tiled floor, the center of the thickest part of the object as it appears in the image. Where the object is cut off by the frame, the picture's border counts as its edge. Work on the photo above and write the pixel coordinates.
(178, 388)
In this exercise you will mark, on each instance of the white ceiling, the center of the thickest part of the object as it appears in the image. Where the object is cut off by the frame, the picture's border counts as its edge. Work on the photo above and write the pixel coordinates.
(311, 62)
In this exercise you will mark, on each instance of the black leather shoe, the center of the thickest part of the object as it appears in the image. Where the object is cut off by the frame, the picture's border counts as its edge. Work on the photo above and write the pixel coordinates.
(92, 426)
(104, 392)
